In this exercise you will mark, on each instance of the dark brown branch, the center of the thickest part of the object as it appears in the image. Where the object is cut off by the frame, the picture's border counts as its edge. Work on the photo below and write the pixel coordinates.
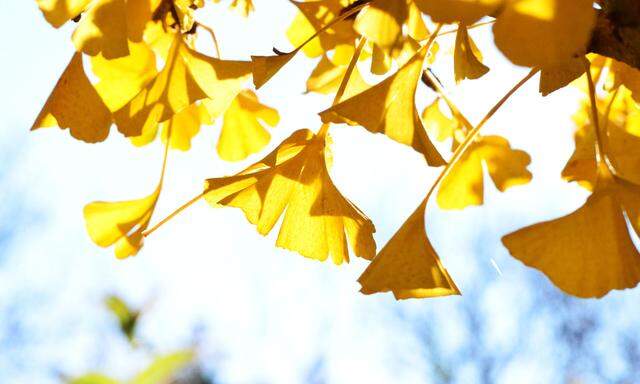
(617, 32)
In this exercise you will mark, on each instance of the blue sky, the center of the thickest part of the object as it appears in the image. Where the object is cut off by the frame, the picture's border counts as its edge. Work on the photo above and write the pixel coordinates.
(264, 314)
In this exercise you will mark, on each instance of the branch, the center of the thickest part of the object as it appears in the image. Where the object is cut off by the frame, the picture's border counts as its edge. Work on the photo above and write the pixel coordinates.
(617, 31)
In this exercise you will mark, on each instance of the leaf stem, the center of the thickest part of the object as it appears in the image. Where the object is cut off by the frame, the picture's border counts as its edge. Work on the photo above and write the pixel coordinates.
(213, 37)
(474, 132)
(349, 72)
(600, 153)
(345, 81)
(172, 215)
(472, 26)
(333, 22)
(443, 94)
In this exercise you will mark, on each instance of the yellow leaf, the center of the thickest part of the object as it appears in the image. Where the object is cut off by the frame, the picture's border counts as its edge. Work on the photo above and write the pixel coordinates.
(179, 129)
(389, 108)
(75, 104)
(58, 12)
(417, 29)
(104, 26)
(121, 79)
(462, 11)
(627, 76)
(243, 131)
(311, 18)
(103, 29)
(120, 223)
(544, 33)
(188, 76)
(381, 22)
(309, 32)
(243, 6)
(327, 76)
(620, 143)
(464, 185)
(408, 265)
(294, 180)
(467, 58)
(438, 125)
(265, 67)
(559, 76)
(589, 252)
(380, 61)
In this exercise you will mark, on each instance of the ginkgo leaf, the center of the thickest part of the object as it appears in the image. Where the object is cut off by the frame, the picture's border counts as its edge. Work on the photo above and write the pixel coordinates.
(438, 125)
(381, 61)
(544, 33)
(265, 67)
(620, 145)
(589, 252)
(462, 11)
(243, 131)
(121, 79)
(467, 59)
(559, 76)
(627, 76)
(245, 7)
(389, 108)
(408, 265)
(103, 29)
(326, 78)
(58, 12)
(75, 104)
(311, 18)
(416, 27)
(464, 184)
(104, 26)
(120, 223)
(187, 77)
(381, 22)
(328, 30)
(294, 180)
(179, 129)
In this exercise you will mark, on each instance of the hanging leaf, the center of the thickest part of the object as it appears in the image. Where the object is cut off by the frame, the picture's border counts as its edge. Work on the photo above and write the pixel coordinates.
(75, 104)
(389, 108)
(381, 22)
(294, 180)
(464, 184)
(589, 252)
(120, 223)
(408, 265)
(187, 77)
(467, 59)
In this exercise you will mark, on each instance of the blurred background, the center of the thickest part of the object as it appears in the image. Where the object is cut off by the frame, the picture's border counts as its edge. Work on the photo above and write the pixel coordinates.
(248, 312)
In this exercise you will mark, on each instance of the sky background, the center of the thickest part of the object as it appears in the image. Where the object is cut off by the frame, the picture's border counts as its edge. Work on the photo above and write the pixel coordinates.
(266, 315)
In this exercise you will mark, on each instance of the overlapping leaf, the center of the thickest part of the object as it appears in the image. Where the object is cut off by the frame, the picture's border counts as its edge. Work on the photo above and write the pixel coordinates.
(463, 11)
(467, 59)
(381, 22)
(243, 131)
(293, 180)
(187, 77)
(464, 184)
(389, 108)
(544, 33)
